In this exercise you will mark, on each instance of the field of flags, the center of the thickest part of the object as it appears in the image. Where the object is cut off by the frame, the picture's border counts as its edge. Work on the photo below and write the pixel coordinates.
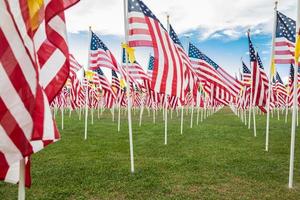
(40, 76)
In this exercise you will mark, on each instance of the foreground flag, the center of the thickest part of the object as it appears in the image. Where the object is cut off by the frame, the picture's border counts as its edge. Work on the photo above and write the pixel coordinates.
(26, 124)
(146, 30)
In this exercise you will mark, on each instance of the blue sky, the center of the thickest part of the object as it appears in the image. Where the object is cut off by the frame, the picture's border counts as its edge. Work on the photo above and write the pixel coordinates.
(218, 29)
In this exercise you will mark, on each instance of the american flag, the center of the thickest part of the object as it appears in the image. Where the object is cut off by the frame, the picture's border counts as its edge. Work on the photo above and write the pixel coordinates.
(146, 30)
(291, 85)
(258, 86)
(28, 84)
(150, 67)
(75, 82)
(100, 56)
(109, 95)
(210, 72)
(115, 83)
(246, 76)
(51, 45)
(135, 70)
(190, 76)
(285, 39)
(281, 90)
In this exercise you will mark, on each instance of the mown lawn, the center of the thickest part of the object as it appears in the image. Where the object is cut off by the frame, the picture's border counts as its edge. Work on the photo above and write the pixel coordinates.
(219, 159)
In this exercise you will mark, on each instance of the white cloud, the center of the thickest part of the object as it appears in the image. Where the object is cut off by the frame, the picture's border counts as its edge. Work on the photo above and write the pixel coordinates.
(232, 17)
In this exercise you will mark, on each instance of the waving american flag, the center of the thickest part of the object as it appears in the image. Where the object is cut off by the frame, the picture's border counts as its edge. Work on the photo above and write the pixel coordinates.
(285, 39)
(146, 30)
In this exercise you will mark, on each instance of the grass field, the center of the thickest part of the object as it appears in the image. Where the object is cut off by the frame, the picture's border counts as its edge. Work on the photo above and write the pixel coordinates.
(219, 159)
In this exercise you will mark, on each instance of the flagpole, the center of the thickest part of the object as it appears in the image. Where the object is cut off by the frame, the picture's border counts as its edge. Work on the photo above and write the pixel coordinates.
(142, 110)
(251, 103)
(86, 90)
(21, 187)
(62, 117)
(119, 116)
(128, 90)
(295, 103)
(272, 65)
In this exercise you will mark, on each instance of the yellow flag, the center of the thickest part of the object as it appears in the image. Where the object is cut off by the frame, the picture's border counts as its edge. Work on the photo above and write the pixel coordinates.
(273, 68)
(36, 13)
(130, 52)
(297, 49)
(89, 75)
(122, 83)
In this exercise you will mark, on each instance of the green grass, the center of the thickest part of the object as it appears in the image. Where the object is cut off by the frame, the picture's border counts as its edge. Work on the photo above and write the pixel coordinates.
(219, 159)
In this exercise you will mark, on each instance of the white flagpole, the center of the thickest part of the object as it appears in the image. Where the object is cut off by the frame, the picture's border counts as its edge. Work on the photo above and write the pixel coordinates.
(166, 96)
(21, 187)
(270, 77)
(192, 115)
(142, 110)
(181, 120)
(113, 112)
(86, 89)
(166, 119)
(295, 104)
(128, 89)
(62, 117)
(198, 116)
(254, 121)
(153, 109)
(119, 116)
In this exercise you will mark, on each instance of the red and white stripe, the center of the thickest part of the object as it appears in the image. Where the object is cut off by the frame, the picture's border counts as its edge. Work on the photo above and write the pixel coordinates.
(167, 75)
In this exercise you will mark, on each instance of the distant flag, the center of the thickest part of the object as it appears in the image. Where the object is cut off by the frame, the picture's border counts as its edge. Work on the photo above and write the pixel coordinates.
(115, 82)
(135, 70)
(109, 95)
(100, 56)
(150, 66)
(259, 85)
(285, 39)
(246, 76)
(212, 73)
(146, 30)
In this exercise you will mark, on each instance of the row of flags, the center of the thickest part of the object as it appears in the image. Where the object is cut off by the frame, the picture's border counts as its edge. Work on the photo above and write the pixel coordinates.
(38, 71)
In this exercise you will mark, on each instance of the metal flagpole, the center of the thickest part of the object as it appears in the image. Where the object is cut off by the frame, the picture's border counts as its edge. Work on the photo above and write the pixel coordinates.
(128, 90)
(142, 110)
(62, 118)
(270, 76)
(86, 89)
(166, 96)
(21, 188)
(293, 131)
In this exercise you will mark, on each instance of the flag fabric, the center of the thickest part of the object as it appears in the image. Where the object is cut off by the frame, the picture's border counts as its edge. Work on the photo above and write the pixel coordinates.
(190, 76)
(100, 56)
(285, 39)
(135, 70)
(215, 77)
(31, 77)
(146, 30)
(259, 85)
(109, 95)
(50, 42)
(115, 83)
(281, 91)
(291, 86)
(246, 76)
